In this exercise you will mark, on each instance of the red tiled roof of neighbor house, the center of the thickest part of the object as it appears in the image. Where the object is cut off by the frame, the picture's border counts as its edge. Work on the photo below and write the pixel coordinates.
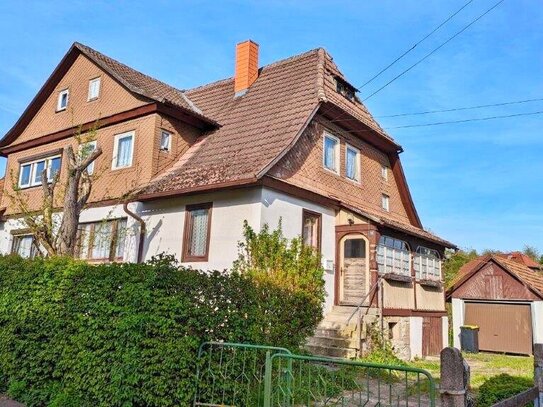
(520, 257)
(532, 279)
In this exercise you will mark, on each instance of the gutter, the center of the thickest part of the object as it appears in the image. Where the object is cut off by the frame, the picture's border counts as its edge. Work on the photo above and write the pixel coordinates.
(143, 230)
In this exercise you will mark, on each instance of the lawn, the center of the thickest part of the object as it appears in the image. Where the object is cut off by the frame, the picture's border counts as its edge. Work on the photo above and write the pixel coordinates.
(485, 365)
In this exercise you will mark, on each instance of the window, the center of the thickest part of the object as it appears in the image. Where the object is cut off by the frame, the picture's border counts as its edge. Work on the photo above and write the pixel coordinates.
(102, 241)
(197, 232)
(345, 89)
(311, 229)
(94, 89)
(427, 264)
(165, 141)
(354, 248)
(352, 163)
(62, 102)
(385, 202)
(384, 172)
(123, 150)
(25, 246)
(85, 150)
(30, 173)
(331, 153)
(393, 256)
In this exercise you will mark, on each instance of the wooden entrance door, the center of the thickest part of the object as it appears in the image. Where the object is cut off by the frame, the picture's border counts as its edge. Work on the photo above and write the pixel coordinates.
(353, 270)
(432, 336)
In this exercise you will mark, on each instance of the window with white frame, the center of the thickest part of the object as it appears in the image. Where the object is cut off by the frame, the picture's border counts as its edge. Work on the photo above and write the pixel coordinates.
(384, 172)
(427, 264)
(102, 241)
(62, 101)
(393, 256)
(331, 153)
(30, 173)
(25, 246)
(165, 141)
(85, 150)
(352, 163)
(94, 89)
(123, 150)
(385, 202)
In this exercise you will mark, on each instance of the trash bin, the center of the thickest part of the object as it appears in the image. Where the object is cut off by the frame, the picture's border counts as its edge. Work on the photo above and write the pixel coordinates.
(469, 338)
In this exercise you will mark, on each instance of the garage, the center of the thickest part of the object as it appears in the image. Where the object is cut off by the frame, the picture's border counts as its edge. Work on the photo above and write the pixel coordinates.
(503, 297)
(502, 327)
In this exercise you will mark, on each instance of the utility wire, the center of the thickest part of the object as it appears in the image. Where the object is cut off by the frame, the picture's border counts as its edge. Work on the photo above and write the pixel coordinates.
(416, 44)
(465, 120)
(459, 108)
(434, 50)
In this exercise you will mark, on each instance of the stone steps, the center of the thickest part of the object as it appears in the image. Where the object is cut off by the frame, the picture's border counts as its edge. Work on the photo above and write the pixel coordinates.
(326, 351)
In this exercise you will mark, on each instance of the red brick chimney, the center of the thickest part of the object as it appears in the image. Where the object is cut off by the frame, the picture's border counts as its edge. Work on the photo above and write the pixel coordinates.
(246, 66)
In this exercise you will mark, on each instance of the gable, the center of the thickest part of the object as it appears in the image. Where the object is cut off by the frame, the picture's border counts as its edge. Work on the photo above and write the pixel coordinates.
(302, 166)
(492, 282)
(113, 99)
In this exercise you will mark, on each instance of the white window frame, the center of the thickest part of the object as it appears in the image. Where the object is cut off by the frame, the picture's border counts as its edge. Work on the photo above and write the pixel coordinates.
(33, 165)
(90, 168)
(427, 264)
(91, 82)
(384, 172)
(385, 202)
(393, 256)
(118, 137)
(63, 92)
(169, 147)
(357, 168)
(336, 153)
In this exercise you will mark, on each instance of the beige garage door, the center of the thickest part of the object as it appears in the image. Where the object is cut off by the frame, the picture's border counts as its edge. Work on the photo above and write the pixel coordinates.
(502, 327)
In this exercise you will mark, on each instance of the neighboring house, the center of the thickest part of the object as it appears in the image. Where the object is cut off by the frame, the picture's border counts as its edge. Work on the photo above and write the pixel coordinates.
(289, 141)
(503, 296)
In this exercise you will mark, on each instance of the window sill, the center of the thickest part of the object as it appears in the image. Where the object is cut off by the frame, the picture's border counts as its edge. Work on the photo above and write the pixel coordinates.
(397, 277)
(194, 259)
(431, 283)
(60, 110)
(129, 167)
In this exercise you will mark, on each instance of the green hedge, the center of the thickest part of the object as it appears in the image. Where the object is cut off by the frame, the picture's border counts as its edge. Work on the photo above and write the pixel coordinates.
(501, 387)
(128, 334)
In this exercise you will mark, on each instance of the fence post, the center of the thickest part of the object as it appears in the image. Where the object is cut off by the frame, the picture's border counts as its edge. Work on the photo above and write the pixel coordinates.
(454, 379)
(538, 373)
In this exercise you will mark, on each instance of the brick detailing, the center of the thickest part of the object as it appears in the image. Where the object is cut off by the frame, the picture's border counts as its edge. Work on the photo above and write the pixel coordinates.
(303, 167)
(113, 99)
(246, 65)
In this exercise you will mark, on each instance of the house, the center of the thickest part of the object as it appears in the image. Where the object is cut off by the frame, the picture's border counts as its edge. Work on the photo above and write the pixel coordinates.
(290, 141)
(502, 294)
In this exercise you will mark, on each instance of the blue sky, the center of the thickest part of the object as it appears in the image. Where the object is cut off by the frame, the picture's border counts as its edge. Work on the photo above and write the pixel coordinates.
(478, 184)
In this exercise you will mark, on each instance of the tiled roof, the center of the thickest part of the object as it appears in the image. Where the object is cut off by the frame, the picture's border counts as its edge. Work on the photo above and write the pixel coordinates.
(140, 83)
(531, 278)
(520, 257)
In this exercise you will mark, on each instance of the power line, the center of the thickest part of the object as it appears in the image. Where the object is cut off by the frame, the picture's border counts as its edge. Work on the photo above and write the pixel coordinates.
(465, 120)
(459, 108)
(434, 50)
(416, 44)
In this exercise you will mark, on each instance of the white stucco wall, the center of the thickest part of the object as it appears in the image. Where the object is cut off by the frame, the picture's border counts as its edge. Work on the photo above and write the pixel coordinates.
(415, 336)
(537, 321)
(445, 332)
(457, 320)
(277, 205)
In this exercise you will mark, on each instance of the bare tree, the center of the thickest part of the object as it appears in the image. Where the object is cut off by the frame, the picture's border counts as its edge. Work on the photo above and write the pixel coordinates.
(51, 236)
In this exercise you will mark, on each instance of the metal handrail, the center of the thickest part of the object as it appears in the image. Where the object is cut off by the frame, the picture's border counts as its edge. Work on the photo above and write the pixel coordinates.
(364, 299)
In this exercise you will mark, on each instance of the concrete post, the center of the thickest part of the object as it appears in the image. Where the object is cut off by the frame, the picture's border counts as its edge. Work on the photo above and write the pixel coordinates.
(454, 379)
(538, 372)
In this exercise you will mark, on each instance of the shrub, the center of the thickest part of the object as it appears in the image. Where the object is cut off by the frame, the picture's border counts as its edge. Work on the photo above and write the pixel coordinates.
(501, 387)
(128, 334)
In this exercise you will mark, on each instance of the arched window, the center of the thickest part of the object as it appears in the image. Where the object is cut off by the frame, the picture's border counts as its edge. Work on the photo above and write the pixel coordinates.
(427, 264)
(393, 256)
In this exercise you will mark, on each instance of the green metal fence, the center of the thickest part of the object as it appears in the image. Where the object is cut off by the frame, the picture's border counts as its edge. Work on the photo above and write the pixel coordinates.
(232, 374)
(242, 375)
(296, 380)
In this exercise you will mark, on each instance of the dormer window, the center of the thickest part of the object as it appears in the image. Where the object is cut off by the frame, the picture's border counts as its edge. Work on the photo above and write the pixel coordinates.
(62, 102)
(345, 89)
(94, 89)
(165, 141)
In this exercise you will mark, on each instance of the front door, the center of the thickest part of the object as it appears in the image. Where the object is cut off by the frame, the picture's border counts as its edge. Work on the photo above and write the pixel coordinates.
(353, 269)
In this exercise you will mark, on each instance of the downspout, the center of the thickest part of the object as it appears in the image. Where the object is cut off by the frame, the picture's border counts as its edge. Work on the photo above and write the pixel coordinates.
(143, 230)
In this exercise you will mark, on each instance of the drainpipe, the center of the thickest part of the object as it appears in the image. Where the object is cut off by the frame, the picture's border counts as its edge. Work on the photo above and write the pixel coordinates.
(142, 229)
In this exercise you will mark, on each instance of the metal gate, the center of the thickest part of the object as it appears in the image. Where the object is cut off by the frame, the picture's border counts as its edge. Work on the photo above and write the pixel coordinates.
(242, 375)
